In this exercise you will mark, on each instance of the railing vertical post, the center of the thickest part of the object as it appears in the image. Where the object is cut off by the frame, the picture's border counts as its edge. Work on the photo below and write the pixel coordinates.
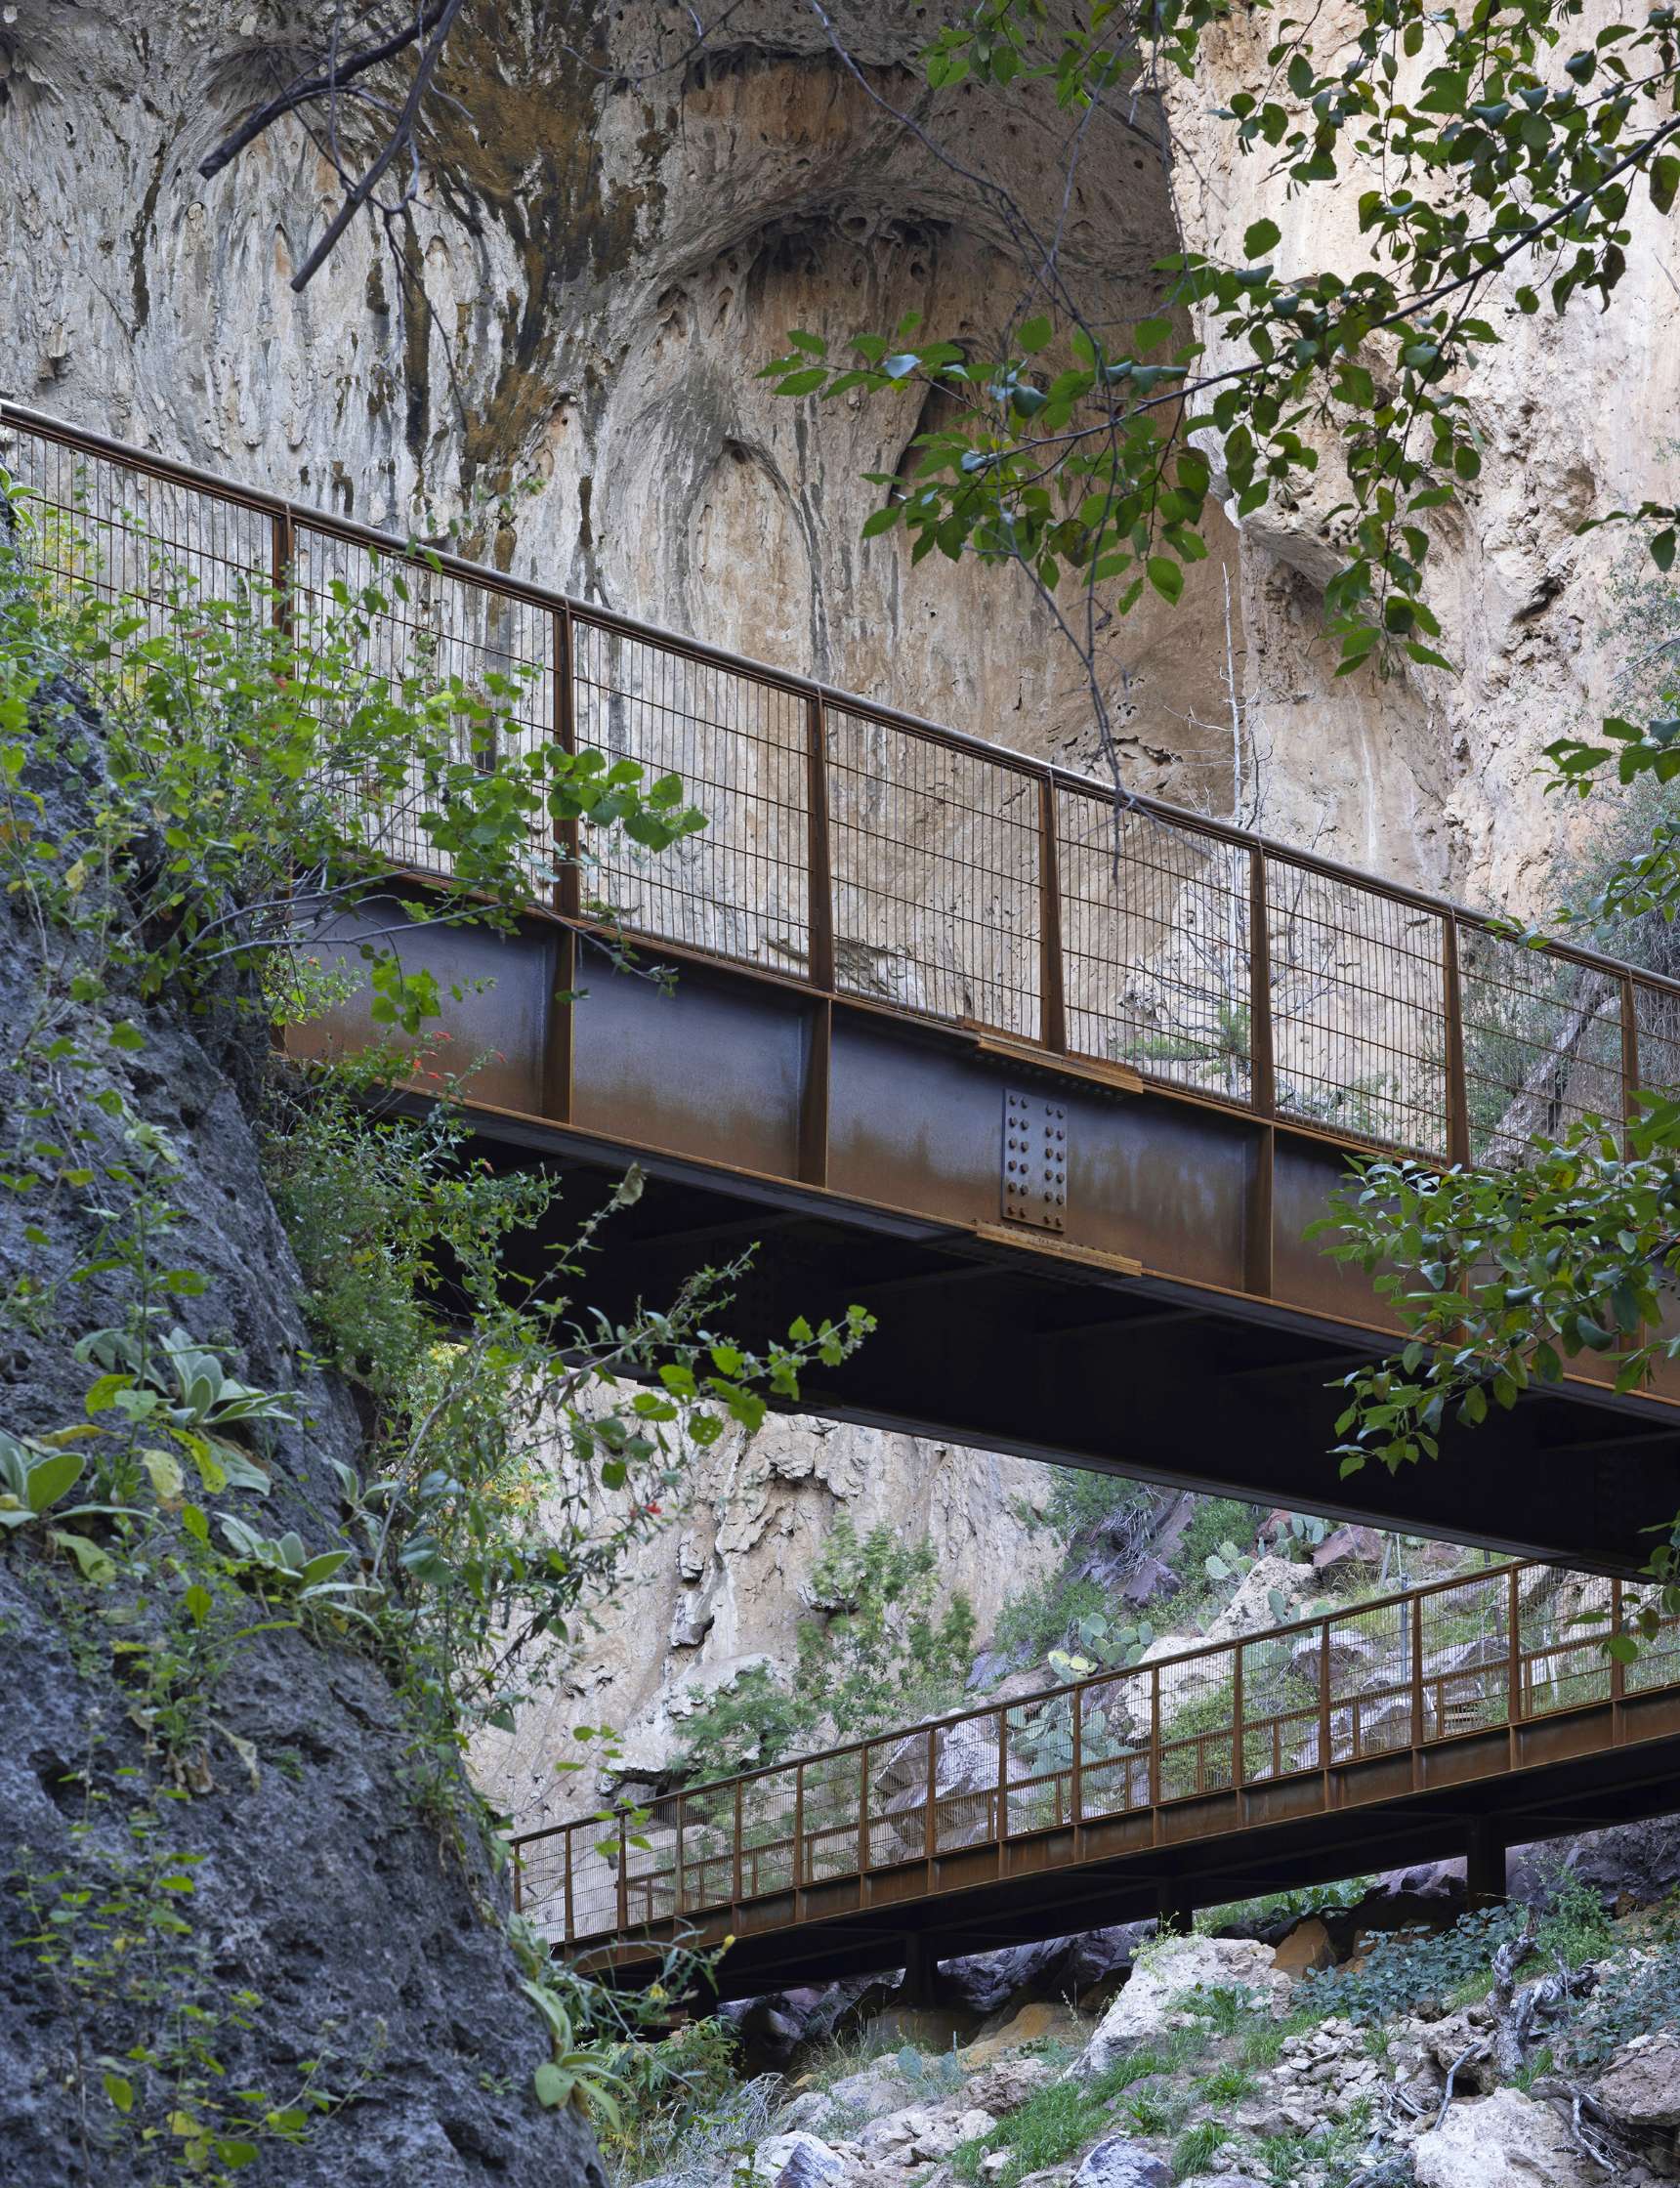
(1324, 1705)
(571, 1910)
(863, 1810)
(1262, 1068)
(623, 1877)
(1452, 1017)
(282, 555)
(1052, 989)
(1417, 1724)
(1237, 1718)
(798, 1833)
(1618, 1671)
(1002, 1780)
(1155, 1735)
(677, 1904)
(569, 888)
(1076, 1795)
(1514, 1673)
(820, 879)
(932, 1820)
(738, 1835)
(519, 1879)
(1630, 1060)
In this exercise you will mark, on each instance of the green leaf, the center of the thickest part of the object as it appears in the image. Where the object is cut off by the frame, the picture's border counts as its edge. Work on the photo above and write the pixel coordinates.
(119, 2090)
(1662, 546)
(1166, 576)
(1035, 334)
(1664, 180)
(552, 2087)
(1261, 237)
(96, 1568)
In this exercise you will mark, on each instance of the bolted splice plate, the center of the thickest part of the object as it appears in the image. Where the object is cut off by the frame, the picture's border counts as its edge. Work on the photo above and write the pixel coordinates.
(1034, 1163)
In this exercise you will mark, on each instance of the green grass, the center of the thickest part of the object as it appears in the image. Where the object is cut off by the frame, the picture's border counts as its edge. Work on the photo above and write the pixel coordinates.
(1263, 2047)
(1193, 2150)
(1064, 2118)
(1227, 2085)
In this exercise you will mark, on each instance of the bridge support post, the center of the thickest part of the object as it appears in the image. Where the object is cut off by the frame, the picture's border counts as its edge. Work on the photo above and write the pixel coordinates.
(1484, 1864)
(920, 1971)
(1175, 1910)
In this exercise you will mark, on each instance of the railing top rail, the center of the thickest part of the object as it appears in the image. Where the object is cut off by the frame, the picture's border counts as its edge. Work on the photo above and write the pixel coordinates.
(24, 418)
(1046, 1694)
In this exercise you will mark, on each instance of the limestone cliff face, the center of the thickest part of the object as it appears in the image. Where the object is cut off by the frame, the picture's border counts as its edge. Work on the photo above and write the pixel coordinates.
(727, 1584)
(614, 236)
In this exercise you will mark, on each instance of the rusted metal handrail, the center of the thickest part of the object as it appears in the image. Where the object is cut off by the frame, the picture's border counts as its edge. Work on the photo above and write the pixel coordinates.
(1502, 1682)
(1421, 1087)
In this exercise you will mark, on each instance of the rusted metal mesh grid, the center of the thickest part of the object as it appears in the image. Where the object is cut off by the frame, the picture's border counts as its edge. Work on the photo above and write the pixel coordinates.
(1281, 1714)
(481, 662)
(1197, 1724)
(1037, 1765)
(1563, 1621)
(1466, 1650)
(1359, 1020)
(1657, 1029)
(1542, 1045)
(1370, 1668)
(833, 1801)
(1658, 1663)
(101, 526)
(739, 888)
(1154, 943)
(1114, 1744)
(935, 853)
(899, 1786)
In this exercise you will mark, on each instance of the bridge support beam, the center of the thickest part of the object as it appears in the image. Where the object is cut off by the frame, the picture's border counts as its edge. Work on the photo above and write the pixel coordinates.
(920, 1971)
(1484, 1864)
(1175, 1910)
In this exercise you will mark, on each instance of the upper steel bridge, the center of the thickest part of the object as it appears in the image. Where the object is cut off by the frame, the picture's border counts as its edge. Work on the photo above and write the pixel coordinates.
(1460, 1718)
(1051, 1087)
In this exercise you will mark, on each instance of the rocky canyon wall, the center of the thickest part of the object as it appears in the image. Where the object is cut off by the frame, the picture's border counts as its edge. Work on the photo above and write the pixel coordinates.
(614, 236)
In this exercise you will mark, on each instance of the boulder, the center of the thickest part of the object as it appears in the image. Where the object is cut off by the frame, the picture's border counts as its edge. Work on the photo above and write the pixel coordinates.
(1348, 1546)
(1151, 1582)
(1305, 1949)
(921, 2135)
(1629, 1866)
(1640, 2093)
(798, 2161)
(1037, 2023)
(1503, 2141)
(1118, 2163)
(1056, 1967)
(1005, 2085)
(1181, 1964)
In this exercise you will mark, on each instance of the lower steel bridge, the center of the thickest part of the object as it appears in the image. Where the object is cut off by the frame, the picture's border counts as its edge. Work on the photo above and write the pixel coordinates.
(1052, 1084)
(1460, 1718)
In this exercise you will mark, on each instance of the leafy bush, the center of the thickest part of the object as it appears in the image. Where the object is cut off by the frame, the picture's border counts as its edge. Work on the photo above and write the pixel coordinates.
(1632, 1997)
(1059, 2121)
(1402, 1970)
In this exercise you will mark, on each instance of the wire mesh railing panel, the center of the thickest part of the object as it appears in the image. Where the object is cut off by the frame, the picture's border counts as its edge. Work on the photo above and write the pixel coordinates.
(935, 856)
(1114, 1744)
(97, 525)
(1466, 1651)
(1358, 1008)
(1658, 1663)
(739, 888)
(1280, 1716)
(650, 1852)
(1197, 1705)
(830, 1808)
(1155, 945)
(766, 1832)
(1369, 1664)
(1038, 1762)
(1563, 1623)
(899, 1788)
(706, 1847)
(1656, 1027)
(1542, 1045)
(965, 1812)
(483, 662)
(595, 1870)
